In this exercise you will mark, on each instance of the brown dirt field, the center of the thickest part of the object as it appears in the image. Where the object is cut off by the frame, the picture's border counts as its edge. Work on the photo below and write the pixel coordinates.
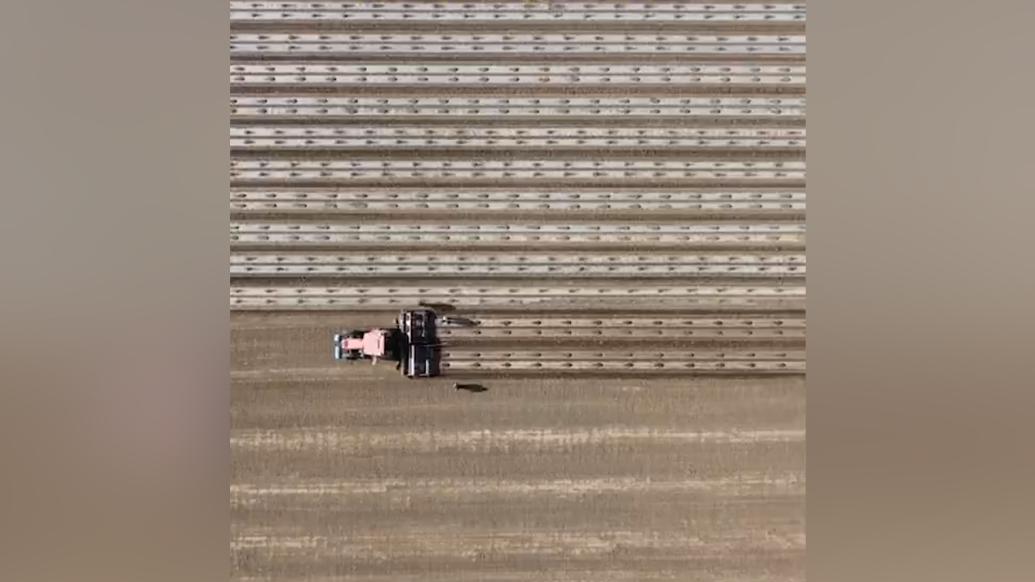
(352, 472)
(584, 472)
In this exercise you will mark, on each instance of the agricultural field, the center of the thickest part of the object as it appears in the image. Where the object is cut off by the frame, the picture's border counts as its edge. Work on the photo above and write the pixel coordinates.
(613, 197)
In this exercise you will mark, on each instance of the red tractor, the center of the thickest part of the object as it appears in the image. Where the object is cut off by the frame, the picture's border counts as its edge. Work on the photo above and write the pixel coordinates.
(413, 343)
(357, 345)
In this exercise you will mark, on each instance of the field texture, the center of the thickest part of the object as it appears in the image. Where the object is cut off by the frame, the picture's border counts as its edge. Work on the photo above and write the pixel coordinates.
(613, 194)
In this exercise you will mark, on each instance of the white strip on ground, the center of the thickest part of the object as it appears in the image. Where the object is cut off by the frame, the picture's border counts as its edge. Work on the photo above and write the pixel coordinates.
(597, 109)
(305, 74)
(514, 12)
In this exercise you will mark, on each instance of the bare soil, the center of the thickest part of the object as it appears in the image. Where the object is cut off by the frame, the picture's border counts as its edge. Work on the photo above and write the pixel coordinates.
(352, 472)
